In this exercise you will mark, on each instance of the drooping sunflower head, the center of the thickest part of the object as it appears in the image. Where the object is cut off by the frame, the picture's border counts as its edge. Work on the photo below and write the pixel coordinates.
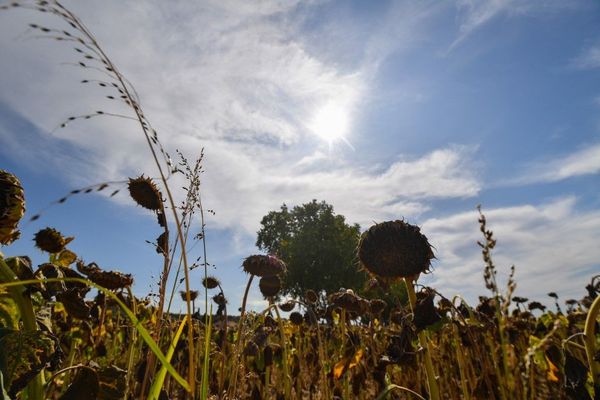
(269, 285)
(51, 240)
(12, 207)
(395, 249)
(144, 191)
(210, 282)
(261, 265)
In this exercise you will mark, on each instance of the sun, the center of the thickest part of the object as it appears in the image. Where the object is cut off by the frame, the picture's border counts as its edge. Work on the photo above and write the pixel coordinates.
(330, 122)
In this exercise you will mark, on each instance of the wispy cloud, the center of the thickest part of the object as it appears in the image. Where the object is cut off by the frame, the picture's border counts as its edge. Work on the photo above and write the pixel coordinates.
(589, 58)
(474, 14)
(527, 236)
(400, 189)
(585, 161)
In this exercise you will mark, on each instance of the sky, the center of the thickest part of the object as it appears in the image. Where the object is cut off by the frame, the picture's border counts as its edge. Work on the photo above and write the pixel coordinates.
(415, 110)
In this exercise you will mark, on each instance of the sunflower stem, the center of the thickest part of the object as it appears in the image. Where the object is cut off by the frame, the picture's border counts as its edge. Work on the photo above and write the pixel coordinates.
(431, 377)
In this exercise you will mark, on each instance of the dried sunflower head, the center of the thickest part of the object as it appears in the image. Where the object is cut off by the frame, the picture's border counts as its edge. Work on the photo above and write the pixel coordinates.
(261, 265)
(111, 280)
(193, 295)
(311, 296)
(287, 306)
(51, 240)
(145, 193)
(220, 299)
(296, 318)
(394, 249)
(349, 301)
(377, 306)
(269, 285)
(210, 282)
(12, 207)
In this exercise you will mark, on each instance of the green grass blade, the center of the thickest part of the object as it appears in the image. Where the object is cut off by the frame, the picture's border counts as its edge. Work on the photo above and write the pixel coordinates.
(162, 373)
(136, 323)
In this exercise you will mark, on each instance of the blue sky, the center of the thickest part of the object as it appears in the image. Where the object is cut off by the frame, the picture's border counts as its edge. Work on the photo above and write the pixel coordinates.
(417, 110)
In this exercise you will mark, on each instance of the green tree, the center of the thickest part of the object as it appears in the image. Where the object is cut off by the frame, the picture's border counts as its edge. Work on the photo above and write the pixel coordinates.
(317, 245)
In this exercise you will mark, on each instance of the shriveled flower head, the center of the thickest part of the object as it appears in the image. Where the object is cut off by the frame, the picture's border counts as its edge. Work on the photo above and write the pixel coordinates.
(51, 240)
(287, 306)
(311, 296)
(349, 301)
(269, 285)
(394, 249)
(425, 312)
(111, 280)
(210, 282)
(377, 306)
(220, 299)
(12, 206)
(261, 265)
(193, 295)
(145, 193)
(296, 318)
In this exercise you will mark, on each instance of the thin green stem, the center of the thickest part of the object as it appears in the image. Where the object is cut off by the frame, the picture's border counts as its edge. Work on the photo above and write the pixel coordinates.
(434, 393)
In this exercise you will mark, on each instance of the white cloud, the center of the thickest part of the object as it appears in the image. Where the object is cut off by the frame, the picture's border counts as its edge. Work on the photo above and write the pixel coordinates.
(585, 161)
(474, 14)
(588, 59)
(552, 246)
(233, 79)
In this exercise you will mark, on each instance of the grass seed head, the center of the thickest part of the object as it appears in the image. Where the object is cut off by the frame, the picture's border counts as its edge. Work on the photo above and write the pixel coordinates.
(12, 207)
(51, 240)
(145, 193)
(394, 249)
(261, 265)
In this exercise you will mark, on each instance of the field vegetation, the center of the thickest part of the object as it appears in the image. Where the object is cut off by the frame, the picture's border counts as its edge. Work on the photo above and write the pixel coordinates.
(70, 329)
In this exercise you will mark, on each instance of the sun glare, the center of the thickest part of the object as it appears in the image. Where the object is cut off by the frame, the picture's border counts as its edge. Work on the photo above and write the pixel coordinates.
(330, 122)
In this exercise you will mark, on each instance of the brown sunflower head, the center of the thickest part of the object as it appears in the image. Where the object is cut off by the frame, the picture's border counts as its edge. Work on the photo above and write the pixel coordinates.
(296, 318)
(287, 306)
(51, 240)
(349, 301)
(311, 297)
(261, 265)
(210, 282)
(395, 249)
(377, 306)
(12, 207)
(193, 295)
(220, 299)
(145, 193)
(269, 285)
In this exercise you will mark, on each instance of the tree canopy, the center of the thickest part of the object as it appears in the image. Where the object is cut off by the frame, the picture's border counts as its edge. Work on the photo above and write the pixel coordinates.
(317, 245)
